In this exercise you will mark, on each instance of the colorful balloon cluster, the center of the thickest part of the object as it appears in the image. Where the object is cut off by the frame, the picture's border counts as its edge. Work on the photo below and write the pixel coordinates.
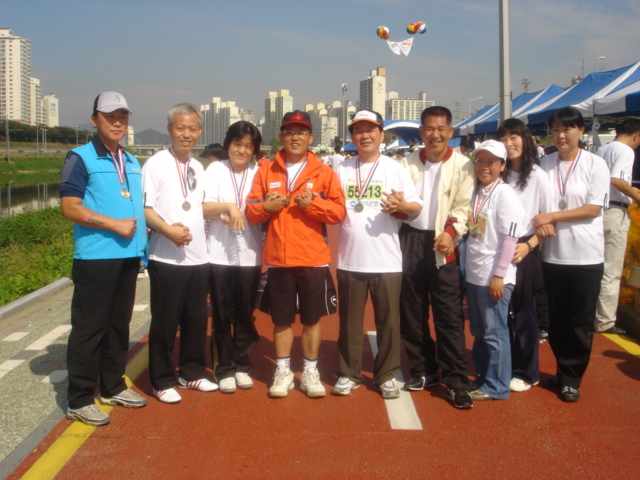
(419, 27)
(383, 32)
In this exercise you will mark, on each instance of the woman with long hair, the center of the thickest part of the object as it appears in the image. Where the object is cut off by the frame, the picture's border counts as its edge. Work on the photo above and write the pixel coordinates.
(532, 187)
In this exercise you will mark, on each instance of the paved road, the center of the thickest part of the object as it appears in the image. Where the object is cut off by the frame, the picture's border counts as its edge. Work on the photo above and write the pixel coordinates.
(33, 371)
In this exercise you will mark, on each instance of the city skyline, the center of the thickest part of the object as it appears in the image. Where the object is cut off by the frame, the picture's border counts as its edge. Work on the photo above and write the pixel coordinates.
(158, 53)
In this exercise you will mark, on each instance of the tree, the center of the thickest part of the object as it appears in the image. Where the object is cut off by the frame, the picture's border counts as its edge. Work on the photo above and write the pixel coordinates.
(275, 146)
(337, 142)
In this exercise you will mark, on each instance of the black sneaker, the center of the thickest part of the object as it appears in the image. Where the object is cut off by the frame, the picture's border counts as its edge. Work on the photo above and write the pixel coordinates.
(570, 394)
(460, 398)
(420, 382)
(615, 330)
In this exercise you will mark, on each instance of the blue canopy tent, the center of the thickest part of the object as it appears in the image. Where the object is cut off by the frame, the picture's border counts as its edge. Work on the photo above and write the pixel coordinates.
(581, 95)
(406, 130)
(625, 101)
(476, 116)
(490, 123)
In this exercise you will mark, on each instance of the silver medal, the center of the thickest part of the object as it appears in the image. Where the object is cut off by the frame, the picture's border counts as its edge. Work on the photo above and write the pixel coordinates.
(562, 204)
(358, 208)
(186, 206)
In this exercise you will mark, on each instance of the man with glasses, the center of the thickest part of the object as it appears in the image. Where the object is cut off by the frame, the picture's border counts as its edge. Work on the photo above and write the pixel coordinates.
(297, 195)
(178, 260)
(430, 272)
(101, 193)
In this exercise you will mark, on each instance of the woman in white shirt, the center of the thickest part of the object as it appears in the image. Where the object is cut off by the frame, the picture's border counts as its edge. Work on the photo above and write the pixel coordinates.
(532, 187)
(573, 257)
(235, 256)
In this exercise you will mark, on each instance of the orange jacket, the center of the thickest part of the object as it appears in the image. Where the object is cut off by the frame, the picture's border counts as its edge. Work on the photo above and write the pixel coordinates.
(297, 237)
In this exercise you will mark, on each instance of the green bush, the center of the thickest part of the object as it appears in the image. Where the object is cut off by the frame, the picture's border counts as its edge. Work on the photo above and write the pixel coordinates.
(36, 249)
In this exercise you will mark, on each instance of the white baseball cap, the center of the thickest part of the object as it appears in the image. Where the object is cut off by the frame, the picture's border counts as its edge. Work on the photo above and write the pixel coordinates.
(494, 147)
(108, 102)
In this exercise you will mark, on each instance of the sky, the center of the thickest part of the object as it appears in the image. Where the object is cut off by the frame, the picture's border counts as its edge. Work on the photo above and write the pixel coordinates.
(158, 53)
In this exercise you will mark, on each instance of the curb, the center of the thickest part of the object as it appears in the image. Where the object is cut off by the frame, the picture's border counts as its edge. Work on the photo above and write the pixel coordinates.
(33, 297)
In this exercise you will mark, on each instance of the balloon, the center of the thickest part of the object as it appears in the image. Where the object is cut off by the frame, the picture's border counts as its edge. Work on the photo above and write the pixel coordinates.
(419, 27)
(411, 28)
(383, 32)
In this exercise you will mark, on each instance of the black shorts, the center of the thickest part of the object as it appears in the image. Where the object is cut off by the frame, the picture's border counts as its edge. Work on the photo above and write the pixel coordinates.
(307, 288)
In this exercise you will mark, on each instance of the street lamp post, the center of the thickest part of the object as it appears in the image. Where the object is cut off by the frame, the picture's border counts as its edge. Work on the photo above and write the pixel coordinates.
(44, 140)
(472, 100)
(344, 117)
(76, 127)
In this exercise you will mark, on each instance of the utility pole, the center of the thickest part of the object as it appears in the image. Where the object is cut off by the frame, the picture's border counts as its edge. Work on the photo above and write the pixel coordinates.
(458, 105)
(505, 62)
(525, 84)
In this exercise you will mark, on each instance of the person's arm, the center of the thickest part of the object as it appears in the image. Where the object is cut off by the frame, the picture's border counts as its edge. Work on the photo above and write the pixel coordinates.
(73, 210)
(177, 232)
(216, 210)
(327, 206)
(624, 188)
(505, 254)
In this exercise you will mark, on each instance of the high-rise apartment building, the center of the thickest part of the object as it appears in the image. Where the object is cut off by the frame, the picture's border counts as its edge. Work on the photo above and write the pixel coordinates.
(15, 77)
(325, 127)
(406, 108)
(344, 116)
(275, 106)
(373, 91)
(50, 110)
(36, 103)
(217, 116)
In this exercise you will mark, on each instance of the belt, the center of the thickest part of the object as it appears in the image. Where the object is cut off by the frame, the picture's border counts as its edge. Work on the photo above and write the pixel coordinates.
(618, 204)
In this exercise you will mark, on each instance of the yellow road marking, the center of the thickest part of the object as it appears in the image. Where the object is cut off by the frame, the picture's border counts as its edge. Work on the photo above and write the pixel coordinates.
(628, 345)
(59, 453)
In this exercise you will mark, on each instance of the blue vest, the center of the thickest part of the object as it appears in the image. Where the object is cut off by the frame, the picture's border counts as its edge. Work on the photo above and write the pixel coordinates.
(103, 196)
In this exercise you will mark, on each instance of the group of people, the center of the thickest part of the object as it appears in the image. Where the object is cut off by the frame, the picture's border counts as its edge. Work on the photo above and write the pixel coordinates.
(409, 233)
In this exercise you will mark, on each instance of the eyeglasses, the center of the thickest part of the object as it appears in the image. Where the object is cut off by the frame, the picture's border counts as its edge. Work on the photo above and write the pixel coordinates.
(487, 163)
(191, 179)
(292, 133)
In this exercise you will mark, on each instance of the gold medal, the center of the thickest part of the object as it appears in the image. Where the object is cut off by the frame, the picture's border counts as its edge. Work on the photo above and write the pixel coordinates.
(125, 193)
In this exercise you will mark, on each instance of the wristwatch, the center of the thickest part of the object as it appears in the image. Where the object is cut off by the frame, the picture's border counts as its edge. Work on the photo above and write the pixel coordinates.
(531, 249)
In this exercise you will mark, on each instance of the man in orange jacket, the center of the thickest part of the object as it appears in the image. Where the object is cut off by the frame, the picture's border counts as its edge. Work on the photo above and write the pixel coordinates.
(297, 195)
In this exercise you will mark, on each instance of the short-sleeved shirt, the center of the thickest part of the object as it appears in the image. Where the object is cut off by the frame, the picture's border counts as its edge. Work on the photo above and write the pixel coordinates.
(581, 242)
(222, 245)
(535, 197)
(369, 239)
(165, 193)
(500, 216)
(619, 158)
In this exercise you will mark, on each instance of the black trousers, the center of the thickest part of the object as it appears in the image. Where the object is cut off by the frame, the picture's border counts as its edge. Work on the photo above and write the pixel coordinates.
(233, 297)
(178, 298)
(103, 297)
(573, 294)
(424, 285)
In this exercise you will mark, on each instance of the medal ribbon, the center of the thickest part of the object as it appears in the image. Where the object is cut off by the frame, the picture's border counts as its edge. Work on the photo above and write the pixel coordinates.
(562, 183)
(291, 183)
(118, 161)
(183, 176)
(476, 207)
(240, 189)
(363, 188)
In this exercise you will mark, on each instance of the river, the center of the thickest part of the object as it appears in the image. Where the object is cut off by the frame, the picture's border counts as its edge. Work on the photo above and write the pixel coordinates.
(15, 199)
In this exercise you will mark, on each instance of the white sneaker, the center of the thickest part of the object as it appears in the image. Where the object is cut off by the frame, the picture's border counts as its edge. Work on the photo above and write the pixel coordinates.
(389, 389)
(202, 385)
(228, 385)
(170, 395)
(243, 380)
(343, 386)
(518, 385)
(310, 383)
(282, 383)
(89, 414)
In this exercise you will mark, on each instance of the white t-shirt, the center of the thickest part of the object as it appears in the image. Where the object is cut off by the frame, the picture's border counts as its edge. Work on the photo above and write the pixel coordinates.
(501, 215)
(535, 197)
(369, 239)
(222, 244)
(164, 192)
(427, 188)
(582, 242)
(336, 159)
(619, 158)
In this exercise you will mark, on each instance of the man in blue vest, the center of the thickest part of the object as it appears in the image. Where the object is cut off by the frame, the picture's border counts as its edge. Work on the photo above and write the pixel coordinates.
(101, 193)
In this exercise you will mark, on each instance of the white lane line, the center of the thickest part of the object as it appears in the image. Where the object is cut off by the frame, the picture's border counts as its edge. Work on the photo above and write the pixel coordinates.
(15, 336)
(402, 412)
(8, 365)
(49, 338)
(140, 308)
(56, 376)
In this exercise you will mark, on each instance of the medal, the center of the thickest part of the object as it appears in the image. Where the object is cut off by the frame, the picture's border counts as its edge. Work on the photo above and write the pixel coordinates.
(358, 208)
(118, 161)
(474, 233)
(184, 180)
(562, 204)
(186, 206)
(477, 205)
(125, 193)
